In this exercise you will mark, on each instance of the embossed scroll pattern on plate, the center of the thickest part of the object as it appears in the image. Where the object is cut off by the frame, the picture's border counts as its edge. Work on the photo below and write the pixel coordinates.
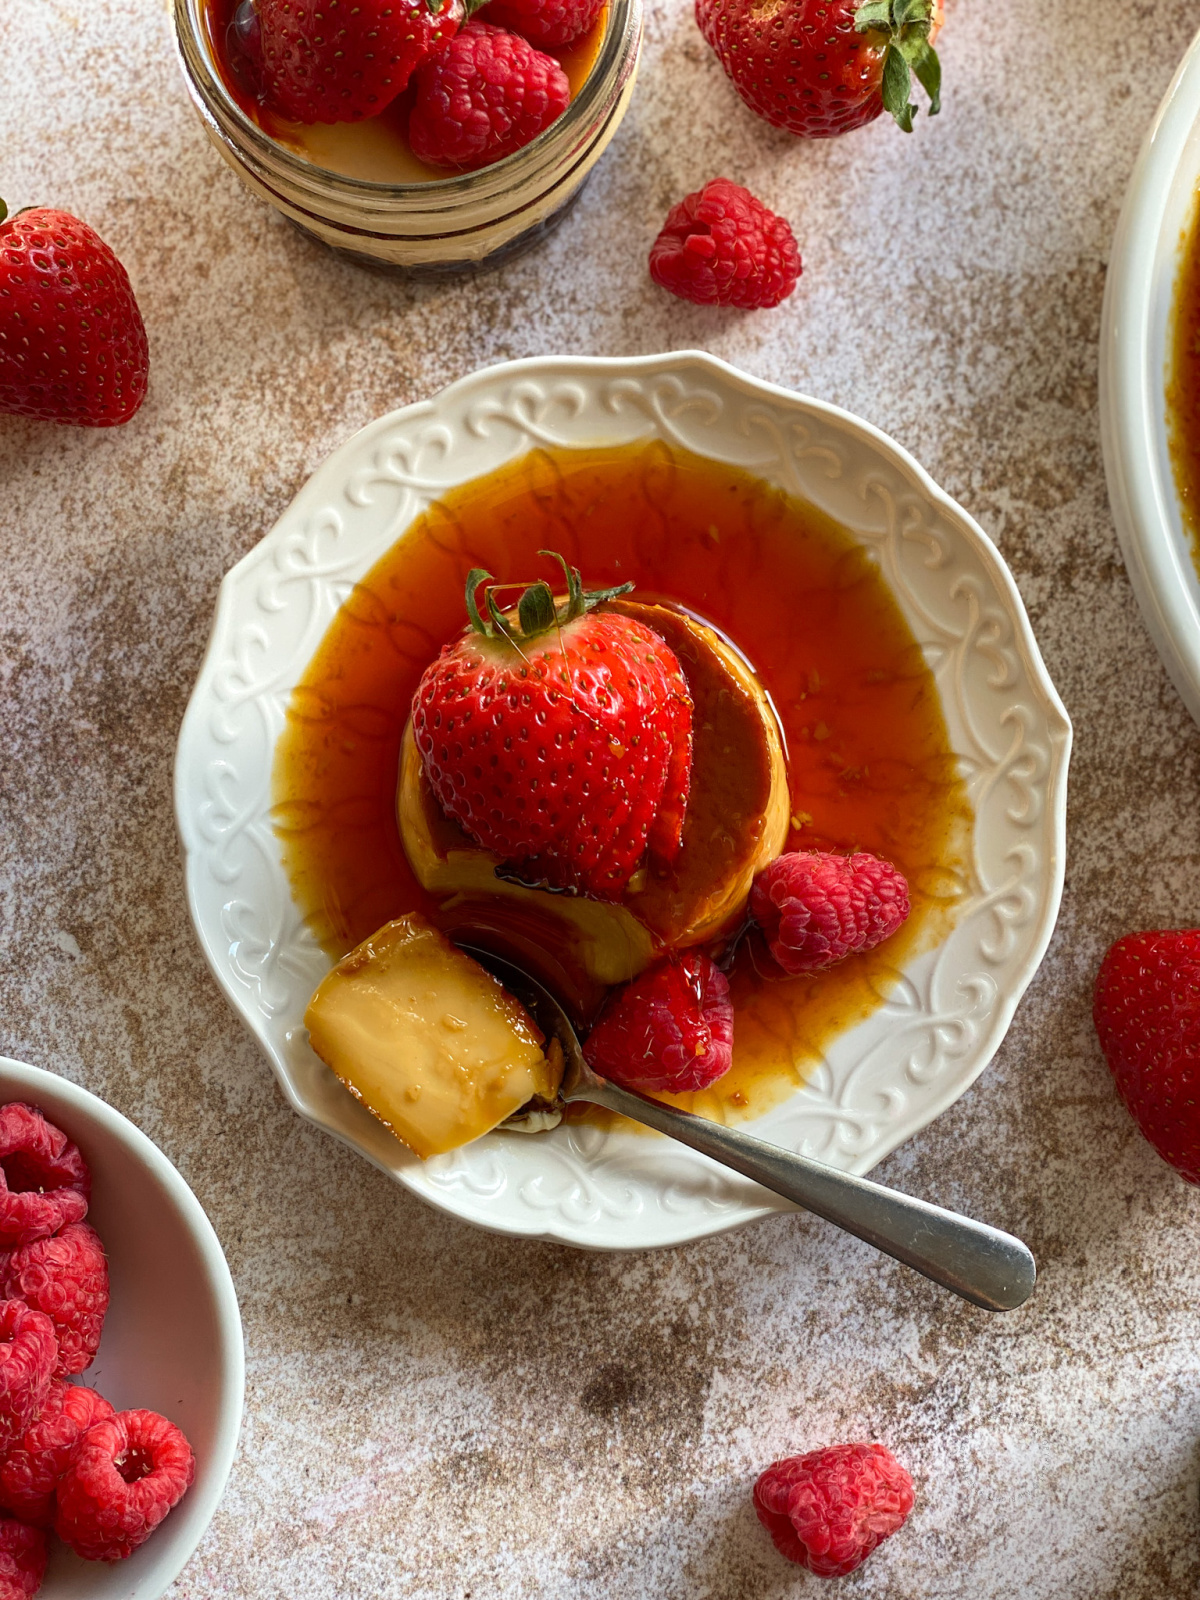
(946, 1010)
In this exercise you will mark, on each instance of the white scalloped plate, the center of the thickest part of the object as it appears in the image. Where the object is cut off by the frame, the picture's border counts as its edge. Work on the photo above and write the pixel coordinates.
(881, 1081)
(1134, 333)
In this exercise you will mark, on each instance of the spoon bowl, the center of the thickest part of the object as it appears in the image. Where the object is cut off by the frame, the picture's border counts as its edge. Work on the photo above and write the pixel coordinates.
(982, 1264)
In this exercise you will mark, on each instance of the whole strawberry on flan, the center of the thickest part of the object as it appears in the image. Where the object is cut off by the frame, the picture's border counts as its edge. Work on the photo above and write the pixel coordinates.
(559, 737)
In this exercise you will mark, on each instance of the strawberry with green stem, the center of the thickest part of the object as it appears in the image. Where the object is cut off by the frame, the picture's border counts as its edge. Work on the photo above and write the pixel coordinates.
(558, 735)
(824, 67)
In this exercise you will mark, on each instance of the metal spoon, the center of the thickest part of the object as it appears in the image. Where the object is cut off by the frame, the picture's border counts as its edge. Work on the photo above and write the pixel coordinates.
(982, 1264)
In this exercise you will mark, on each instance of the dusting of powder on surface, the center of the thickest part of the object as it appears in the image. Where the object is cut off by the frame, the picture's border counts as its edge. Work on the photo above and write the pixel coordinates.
(433, 1412)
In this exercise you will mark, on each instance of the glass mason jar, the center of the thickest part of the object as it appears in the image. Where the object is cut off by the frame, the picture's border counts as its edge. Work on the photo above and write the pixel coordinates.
(452, 224)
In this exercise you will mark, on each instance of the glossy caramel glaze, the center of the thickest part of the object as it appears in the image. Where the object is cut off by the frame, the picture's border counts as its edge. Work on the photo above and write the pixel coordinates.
(869, 761)
(374, 149)
(1183, 380)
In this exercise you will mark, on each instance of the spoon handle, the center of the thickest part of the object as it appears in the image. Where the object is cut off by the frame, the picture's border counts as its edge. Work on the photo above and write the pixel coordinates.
(985, 1266)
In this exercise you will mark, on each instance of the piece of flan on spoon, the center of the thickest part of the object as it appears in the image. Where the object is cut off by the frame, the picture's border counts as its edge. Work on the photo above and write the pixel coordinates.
(431, 1043)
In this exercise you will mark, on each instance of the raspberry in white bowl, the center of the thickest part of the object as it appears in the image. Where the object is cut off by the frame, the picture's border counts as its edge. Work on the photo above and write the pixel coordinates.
(120, 1467)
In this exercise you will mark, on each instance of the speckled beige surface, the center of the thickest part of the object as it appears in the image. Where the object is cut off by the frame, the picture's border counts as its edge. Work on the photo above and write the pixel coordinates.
(434, 1412)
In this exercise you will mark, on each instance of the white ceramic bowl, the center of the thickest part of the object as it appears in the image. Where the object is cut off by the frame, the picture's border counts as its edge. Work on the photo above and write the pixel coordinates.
(1133, 370)
(172, 1338)
(879, 1082)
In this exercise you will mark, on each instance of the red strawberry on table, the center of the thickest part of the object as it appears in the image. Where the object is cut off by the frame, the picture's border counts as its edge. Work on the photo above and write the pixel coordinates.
(72, 342)
(829, 1509)
(823, 67)
(559, 737)
(341, 60)
(1147, 1014)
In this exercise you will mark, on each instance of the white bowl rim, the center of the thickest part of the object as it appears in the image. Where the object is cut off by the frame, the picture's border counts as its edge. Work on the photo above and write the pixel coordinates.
(198, 1508)
(1058, 721)
(1132, 385)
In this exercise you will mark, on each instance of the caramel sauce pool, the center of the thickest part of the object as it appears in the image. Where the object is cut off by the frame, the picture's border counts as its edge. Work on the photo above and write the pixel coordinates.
(1183, 381)
(869, 761)
(374, 149)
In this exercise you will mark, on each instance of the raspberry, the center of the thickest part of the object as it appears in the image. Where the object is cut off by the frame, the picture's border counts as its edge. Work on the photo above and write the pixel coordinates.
(671, 1028)
(127, 1472)
(22, 1560)
(816, 909)
(482, 97)
(28, 1353)
(805, 66)
(829, 1509)
(722, 247)
(44, 1181)
(546, 21)
(67, 1278)
(30, 1471)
